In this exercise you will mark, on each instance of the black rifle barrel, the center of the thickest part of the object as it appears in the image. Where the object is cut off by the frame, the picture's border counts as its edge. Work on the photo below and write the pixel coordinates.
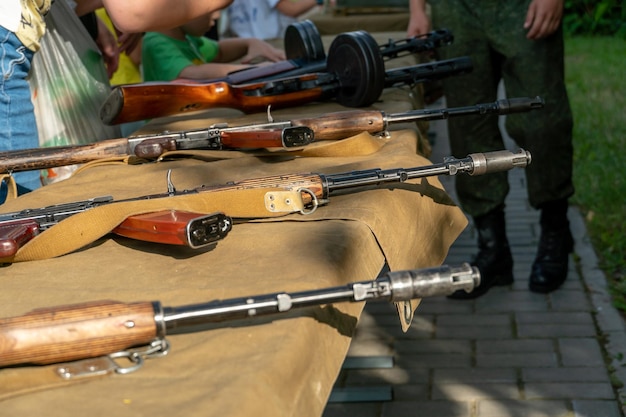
(473, 164)
(428, 72)
(427, 42)
(498, 107)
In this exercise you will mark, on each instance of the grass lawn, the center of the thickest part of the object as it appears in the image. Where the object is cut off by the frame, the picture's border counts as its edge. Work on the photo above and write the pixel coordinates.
(596, 82)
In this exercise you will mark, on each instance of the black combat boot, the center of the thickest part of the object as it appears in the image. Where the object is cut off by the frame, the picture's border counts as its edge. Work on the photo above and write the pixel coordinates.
(549, 269)
(494, 259)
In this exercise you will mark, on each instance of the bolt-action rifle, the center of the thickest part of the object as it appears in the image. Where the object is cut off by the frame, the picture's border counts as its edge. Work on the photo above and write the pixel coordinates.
(119, 326)
(286, 134)
(302, 193)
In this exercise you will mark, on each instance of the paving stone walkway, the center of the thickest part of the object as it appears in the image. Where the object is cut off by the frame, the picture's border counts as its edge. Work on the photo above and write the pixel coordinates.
(508, 353)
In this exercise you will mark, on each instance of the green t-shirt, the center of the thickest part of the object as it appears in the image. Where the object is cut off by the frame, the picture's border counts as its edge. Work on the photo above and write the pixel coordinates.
(163, 58)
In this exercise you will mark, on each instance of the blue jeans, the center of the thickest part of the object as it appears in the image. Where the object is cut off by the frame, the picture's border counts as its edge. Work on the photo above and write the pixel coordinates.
(18, 129)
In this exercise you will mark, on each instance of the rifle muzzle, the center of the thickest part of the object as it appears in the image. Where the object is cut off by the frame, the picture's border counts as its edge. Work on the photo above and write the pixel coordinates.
(497, 161)
(432, 282)
(519, 104)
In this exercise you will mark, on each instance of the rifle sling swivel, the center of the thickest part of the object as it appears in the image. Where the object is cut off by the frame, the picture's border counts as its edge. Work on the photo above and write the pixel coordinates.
(291, 201)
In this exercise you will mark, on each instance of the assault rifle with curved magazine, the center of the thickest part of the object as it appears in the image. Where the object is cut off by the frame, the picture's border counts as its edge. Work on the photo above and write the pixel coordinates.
(172, 227)
(287, 193)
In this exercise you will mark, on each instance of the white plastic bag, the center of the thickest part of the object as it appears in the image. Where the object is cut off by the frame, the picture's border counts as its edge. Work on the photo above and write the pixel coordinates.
(68, 85)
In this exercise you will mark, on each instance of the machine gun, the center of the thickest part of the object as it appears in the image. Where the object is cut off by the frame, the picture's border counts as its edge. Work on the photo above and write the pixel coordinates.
(119, 326)
(305, 52)
(287, 193)
(355, 76)
(288, 134)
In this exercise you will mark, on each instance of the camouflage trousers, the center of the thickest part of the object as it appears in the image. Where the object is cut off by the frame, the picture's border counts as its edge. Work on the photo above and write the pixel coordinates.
(491, 33)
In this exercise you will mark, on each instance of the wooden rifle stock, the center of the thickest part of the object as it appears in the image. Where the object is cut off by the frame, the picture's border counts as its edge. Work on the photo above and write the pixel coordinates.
(56, 156)
(128, 103)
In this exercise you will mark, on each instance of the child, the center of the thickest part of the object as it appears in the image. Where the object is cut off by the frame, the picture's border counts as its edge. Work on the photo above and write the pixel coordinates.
(21, 28)
(266, 19)
(183, 52)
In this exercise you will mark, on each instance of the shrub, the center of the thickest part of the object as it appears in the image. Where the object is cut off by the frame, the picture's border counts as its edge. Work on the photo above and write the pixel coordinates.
(593, 17)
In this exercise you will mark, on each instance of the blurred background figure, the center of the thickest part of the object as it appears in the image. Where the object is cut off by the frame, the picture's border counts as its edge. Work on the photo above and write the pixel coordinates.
(518, 42)
(129, 65)
(184, 52)
(266, 19)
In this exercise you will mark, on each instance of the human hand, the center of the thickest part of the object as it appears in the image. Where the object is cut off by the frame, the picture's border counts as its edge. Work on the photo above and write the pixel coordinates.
(418, 24)
(128, 41)
(543, 18)
(108, 47)
(261, 49)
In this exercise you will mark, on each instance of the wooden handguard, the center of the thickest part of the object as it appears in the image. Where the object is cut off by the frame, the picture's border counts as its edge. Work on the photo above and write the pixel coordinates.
(67, 333)
(310, 182)
(253, 139)
(341, 125)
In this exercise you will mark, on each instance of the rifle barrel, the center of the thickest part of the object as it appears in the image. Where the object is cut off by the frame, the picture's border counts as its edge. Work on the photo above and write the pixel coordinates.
(417, 44)
(499, 107)
(473, 164)
(430, 71)
(393, 286)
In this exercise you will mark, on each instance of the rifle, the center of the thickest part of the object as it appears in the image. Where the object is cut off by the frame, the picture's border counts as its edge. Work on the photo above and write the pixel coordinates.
(94, 329)
(286, 134)
(352, 88)
(302, 193)
(172, 227)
